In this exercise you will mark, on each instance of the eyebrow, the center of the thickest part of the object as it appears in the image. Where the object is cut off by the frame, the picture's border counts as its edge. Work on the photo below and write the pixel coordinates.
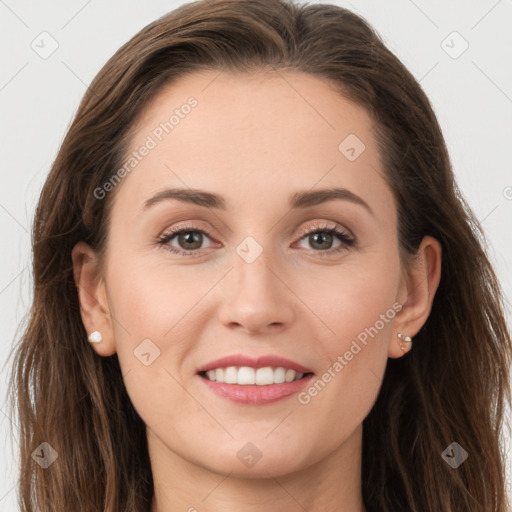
(303, 199)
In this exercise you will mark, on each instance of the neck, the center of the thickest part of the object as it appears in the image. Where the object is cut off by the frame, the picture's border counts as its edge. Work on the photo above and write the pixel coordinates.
(332, 483)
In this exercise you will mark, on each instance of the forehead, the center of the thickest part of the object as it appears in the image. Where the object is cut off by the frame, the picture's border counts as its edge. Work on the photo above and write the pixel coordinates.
(256, 105)
(253, 137)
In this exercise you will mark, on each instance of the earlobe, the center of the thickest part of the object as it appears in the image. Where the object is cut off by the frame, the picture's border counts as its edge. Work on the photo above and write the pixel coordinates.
(92, 298)
(420, 283)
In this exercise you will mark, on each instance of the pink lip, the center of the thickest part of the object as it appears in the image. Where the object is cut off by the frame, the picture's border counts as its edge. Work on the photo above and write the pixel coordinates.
(256, 395)
(259, 362)
(253, 394)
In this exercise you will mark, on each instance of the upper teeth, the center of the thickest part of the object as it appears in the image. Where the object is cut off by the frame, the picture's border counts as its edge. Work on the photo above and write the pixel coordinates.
(246, 375)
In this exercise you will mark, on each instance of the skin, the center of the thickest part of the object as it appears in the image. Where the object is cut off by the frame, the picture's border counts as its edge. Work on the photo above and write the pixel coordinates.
(255, 139)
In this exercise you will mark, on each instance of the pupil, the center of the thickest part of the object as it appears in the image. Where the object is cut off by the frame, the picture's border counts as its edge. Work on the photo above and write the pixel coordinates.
(321, 236)
(189, 237)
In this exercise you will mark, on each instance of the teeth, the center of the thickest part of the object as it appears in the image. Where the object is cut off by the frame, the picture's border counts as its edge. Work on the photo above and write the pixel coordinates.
(264, 376)
(279, 375)
(231, 375)
(246, 375)
(290, 375)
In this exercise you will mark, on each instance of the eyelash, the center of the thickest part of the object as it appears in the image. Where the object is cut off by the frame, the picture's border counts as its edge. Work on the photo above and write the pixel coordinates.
(343, 236)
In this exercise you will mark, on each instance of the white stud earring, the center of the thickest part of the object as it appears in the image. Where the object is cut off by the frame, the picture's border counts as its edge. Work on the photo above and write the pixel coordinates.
(405, 343)
(94, 337)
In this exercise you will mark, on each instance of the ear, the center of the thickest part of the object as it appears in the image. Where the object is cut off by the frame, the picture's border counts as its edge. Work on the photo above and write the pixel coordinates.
(416, 293)
(92, 296)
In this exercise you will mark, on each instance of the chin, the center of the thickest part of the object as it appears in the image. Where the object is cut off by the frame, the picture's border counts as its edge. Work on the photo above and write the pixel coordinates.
(258, 459)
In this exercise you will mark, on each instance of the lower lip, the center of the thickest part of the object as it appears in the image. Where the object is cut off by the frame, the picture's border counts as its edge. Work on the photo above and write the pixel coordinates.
(256, 395)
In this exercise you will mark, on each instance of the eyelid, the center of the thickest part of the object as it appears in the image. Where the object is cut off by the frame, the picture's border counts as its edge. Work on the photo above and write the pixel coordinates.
(318, 225)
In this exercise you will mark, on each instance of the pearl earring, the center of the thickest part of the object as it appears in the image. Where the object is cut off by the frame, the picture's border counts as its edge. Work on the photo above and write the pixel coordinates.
(405, 342)
(94, 337)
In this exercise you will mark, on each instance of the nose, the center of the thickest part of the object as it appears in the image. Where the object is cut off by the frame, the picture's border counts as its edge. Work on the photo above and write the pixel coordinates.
(256, 298)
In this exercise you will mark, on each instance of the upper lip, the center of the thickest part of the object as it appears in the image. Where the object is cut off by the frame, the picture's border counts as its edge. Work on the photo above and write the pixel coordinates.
(254, 362)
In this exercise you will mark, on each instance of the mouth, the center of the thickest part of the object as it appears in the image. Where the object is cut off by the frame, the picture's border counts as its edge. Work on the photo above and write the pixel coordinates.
(260, 381)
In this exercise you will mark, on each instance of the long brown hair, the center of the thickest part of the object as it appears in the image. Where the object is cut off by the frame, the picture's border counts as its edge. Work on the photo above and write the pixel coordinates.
(452, 387)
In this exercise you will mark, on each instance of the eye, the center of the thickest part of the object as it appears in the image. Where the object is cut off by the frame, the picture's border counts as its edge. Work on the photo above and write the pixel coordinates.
(190, 239)
(322, 237)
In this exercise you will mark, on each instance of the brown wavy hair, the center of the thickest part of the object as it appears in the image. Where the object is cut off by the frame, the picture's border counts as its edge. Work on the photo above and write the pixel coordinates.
(453, 386)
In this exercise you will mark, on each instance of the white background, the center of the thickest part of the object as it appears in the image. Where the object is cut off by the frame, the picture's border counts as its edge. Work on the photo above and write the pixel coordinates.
(471, 95)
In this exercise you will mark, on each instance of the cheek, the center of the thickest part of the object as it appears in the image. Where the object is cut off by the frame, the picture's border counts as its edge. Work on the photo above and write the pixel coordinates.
(154, 325)
(153, 334)
(151, 298)
(354, 297)
(358, 306)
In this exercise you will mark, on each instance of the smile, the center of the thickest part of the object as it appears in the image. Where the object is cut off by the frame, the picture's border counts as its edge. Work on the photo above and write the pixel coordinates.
(254, 380)
(245, 375)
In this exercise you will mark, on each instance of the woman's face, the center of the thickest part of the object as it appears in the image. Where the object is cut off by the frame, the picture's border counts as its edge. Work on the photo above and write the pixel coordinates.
(251, 166)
